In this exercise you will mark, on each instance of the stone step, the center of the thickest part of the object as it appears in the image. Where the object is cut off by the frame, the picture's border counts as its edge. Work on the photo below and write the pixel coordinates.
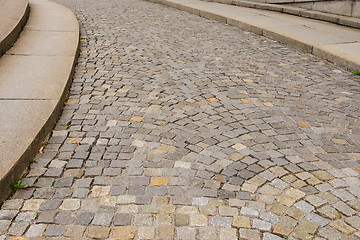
(13, 16)
(35, 75)
(293, 9)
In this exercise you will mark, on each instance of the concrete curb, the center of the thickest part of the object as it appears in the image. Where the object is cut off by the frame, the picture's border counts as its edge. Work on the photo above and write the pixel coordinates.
(328, 17)
(13, 17)
(35, 76)
(334, 48)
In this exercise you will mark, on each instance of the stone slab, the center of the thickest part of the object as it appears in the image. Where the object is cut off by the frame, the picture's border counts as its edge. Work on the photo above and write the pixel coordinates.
(46, 43)
(349, 53)
(5, 30)
(304, 9)
(305, 35)
(46, 80)
(13, 16)
(47, 18)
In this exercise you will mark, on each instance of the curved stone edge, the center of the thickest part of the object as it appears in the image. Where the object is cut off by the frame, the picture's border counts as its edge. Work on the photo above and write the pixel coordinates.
(343, 56)
(301, 12)
(47, 124)
(19, 13)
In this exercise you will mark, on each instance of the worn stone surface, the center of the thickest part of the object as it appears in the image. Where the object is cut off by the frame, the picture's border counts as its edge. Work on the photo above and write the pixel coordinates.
(178, 127)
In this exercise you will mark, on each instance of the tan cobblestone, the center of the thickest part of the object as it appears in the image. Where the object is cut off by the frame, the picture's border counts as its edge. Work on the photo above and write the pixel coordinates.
(241, 222)
(98, 232)
(124, 232)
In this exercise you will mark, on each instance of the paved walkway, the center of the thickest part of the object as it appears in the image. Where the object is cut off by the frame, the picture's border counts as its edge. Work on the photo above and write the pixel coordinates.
(178, 127)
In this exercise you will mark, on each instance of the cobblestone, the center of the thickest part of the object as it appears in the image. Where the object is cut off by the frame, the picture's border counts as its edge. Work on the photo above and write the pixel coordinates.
(179, 127)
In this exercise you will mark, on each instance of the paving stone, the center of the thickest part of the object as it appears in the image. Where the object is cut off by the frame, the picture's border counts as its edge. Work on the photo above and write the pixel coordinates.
(329, 212)
(353, 221)
(122, 219)
(12, 204)
(50, 205)
(74, 231)
(249, 233)
(329, 233)
(166, 232)
(102, 219)
(269, 217)
(220, 221)
(269, 236)
(98, 232)
(35, 230)
(282, 230)
(278, 209)
(32, 204)
(261, 225)
(343, 194)
(17, 228)
(322, 222)
(84, 218)
(185, 233)
(322, 175)
(288, 222)
(146, 232)
(315, 200)
(70, 204)
(25, 216)
(182, 220)
(342, 227)
(208, 233)
(47, 217)
(198, 220)
(329, 197)
(295, 213)
(306, 226)
(143, 219)
(303, 206)
(344, 209)
(249, 212)
(54, 231)
(227, 233)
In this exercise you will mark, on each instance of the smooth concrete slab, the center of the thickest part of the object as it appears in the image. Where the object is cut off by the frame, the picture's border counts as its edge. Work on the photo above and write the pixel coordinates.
(353, 22)
(349, 53)
(48, 19)
(306, 34)
(45, 80)
(263, 21)
(11, 12)
(45, 43)
(21, 122)
(5, 30)
(13, 3)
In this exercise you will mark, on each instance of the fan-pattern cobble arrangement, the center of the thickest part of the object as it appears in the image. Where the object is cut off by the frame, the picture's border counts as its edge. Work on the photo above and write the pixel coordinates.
(178, 127)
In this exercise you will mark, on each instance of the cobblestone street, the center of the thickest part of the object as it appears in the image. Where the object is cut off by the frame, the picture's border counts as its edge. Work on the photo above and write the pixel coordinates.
(178, 127)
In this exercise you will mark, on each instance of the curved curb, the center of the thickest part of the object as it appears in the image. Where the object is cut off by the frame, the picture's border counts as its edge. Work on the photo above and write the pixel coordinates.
(328, 17)
(13, 17)
(335, 43)
(35, 76)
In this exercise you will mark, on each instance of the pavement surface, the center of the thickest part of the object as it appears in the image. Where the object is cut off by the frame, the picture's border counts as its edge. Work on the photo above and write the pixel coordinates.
(333, 42)
(179, 127)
